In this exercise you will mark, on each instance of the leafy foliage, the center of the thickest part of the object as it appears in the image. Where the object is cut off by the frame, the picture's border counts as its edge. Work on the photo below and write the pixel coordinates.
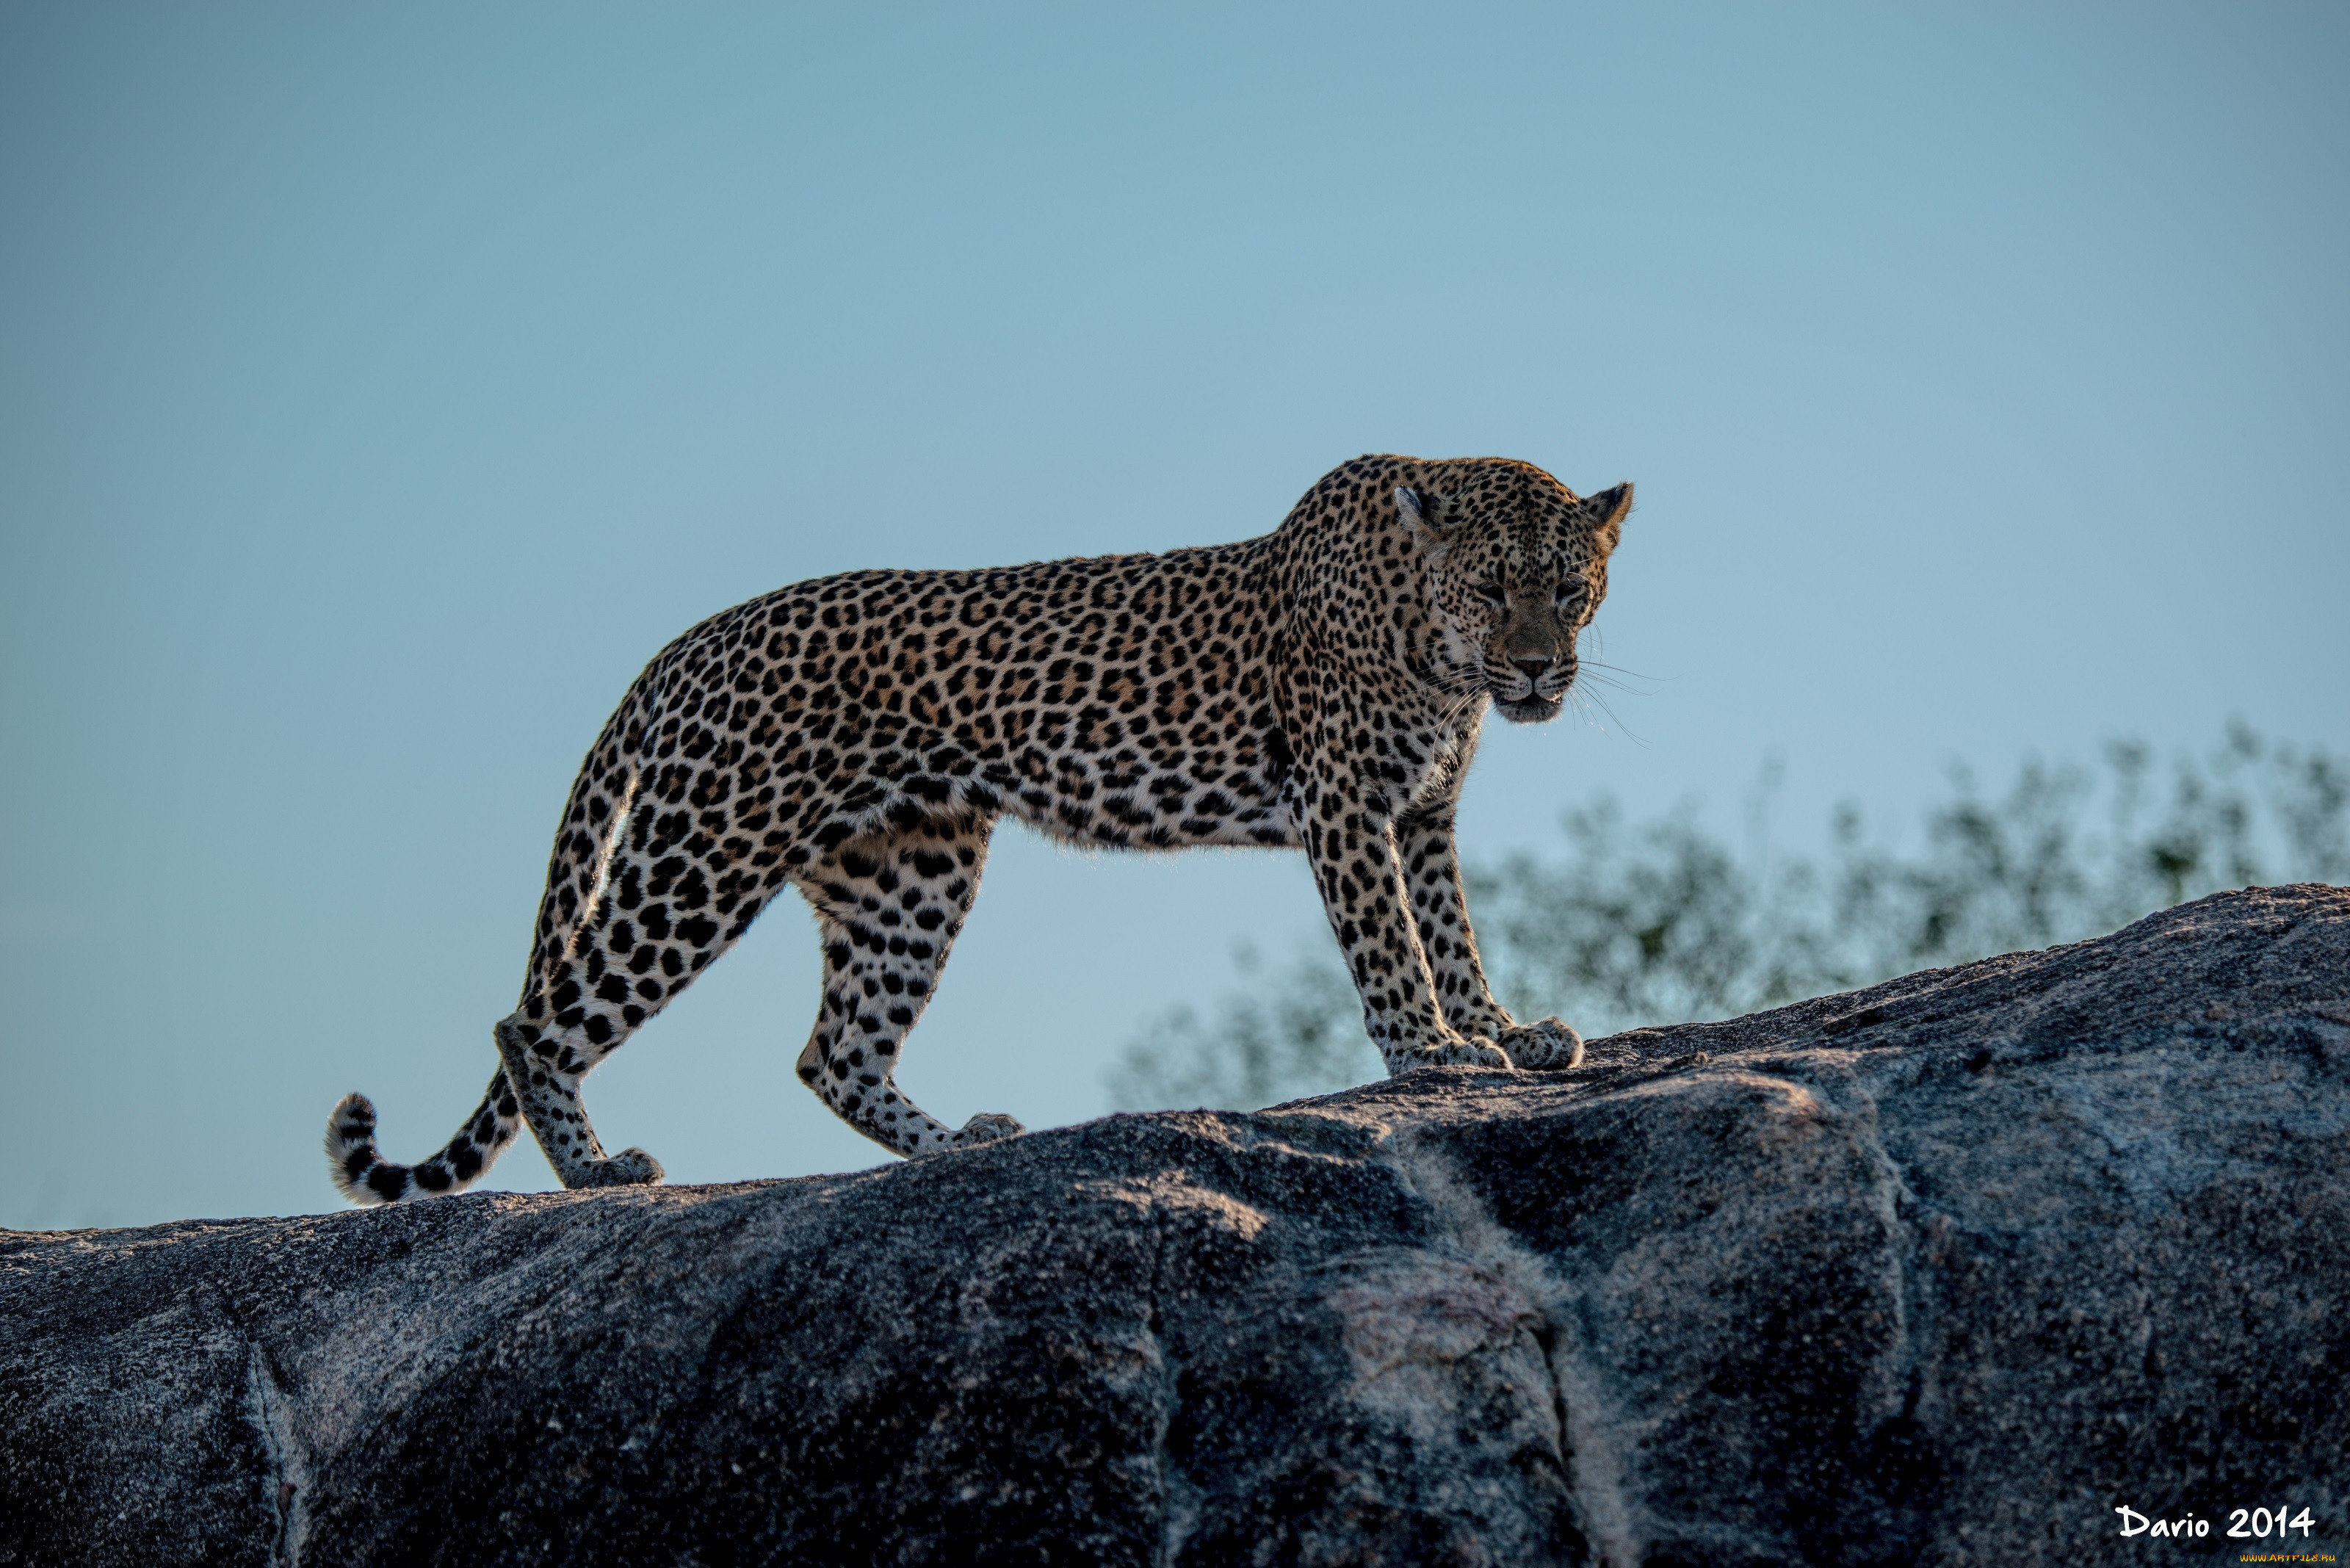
(1660, 923)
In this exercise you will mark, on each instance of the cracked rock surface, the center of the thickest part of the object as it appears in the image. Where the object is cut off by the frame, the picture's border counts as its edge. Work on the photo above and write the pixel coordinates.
(1940, 1272)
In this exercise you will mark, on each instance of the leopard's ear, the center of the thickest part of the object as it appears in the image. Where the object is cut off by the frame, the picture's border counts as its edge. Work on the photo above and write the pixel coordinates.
(1608, 510)
(1422, 519)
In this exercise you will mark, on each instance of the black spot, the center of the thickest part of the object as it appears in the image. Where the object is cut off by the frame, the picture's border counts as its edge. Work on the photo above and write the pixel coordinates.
(432, 1175)
(699, 931)
(467, 1161)
(1280, 760)
(932, 865)
(388, 1181)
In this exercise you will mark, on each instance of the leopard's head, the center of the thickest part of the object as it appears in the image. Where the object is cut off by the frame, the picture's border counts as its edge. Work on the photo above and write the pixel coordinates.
(1517, 566)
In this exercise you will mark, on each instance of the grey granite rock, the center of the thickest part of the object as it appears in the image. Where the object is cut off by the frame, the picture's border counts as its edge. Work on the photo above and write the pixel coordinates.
(1941, 1271)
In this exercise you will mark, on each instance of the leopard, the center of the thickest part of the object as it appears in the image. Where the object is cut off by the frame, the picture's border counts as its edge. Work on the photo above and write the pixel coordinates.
(1320, 689)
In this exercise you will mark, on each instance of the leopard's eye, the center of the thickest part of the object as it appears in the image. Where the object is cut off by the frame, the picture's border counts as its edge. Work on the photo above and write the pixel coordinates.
(1572, 592)
(1491, 592)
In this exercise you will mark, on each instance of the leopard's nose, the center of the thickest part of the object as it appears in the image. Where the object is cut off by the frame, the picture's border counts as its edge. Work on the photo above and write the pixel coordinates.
(1533, 668)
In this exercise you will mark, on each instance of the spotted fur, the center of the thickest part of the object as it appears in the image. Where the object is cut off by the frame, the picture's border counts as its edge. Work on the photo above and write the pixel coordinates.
(857, 737)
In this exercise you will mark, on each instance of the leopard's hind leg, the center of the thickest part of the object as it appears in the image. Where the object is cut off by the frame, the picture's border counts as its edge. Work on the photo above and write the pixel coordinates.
(660, 866)
(888, 906)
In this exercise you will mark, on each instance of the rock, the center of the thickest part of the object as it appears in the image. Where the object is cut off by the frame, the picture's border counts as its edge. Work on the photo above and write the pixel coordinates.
(1945, 1271)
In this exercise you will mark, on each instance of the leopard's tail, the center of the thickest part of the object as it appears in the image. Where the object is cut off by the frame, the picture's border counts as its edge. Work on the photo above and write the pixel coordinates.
(365, 1177)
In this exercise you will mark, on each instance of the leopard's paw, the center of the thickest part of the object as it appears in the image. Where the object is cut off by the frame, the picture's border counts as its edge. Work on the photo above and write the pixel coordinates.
(1546, 1045)
(629, 1168)
(987, 1126)
(1458, 1053)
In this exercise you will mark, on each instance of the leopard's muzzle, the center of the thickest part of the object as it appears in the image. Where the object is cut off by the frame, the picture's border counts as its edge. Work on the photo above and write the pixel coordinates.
(1537, 693)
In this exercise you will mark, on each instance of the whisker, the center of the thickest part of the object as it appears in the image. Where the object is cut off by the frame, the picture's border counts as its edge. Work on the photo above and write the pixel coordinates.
(1619, 677)
(1614, 684)
(1588, 700)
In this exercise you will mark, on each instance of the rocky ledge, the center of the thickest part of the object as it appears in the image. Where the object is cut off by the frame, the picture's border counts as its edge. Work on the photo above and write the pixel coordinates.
(1946, 1270)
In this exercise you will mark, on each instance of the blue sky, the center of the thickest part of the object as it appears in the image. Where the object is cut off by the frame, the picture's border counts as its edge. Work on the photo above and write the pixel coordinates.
(380, 387)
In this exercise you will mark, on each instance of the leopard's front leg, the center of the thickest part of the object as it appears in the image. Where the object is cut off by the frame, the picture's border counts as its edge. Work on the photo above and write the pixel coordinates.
(1431, 868)
(1353, 850)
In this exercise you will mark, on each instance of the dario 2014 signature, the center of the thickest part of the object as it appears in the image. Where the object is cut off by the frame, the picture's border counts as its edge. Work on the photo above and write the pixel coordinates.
(2247, 1524)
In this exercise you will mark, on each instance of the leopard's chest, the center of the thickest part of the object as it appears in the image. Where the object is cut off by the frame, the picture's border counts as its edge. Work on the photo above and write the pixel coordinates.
(1424, 765)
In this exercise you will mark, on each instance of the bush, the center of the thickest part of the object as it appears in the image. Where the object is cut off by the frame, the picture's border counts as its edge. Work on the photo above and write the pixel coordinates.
(1660, 923)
